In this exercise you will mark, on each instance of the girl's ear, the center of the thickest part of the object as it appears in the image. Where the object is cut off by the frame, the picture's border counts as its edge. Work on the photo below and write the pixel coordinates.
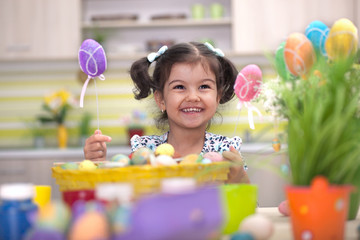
(159, 100)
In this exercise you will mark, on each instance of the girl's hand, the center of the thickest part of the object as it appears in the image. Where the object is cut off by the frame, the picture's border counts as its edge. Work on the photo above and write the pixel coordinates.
(95, 146)
(237, 173)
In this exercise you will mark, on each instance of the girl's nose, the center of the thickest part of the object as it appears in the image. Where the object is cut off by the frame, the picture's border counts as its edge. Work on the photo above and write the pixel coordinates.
(192, 96)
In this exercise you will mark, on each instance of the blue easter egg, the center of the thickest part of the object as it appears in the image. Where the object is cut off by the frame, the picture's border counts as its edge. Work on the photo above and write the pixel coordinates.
(317, 32)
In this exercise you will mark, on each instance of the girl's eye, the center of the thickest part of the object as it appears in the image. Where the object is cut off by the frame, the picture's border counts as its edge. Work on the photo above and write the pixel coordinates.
(204, 86)
(179, 87)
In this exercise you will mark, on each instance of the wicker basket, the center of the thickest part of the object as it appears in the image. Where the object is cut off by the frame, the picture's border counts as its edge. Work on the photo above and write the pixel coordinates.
(145, 179)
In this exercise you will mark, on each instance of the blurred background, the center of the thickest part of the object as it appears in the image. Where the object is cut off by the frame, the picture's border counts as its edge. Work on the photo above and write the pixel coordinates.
(40, 78)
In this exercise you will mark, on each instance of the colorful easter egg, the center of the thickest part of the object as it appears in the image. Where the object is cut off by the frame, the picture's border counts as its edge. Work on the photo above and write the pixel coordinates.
(248, 82)
(280, 64)
(213, 156)
(317, 32)
(143, 156)
(121, 158)
(276, 144)
(299, 54)
(342, 41)
(70, 165)
(92, 58)
(55, 215)
(165, 149)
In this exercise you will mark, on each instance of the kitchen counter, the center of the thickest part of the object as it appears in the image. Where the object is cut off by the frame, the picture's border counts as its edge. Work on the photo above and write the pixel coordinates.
(282, 225)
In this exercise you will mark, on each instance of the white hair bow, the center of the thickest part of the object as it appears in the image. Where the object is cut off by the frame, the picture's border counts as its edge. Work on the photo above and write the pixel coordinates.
(217, 51)
(154, 55)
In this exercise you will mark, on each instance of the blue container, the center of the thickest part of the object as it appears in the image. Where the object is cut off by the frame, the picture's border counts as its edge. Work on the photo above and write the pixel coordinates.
(17, 211)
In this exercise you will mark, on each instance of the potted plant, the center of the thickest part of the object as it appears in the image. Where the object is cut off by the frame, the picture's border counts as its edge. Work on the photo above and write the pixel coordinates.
(56, 106)
(321, 107)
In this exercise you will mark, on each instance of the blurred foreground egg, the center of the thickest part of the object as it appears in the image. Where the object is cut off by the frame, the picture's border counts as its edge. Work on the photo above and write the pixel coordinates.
(284, 208)
(260, 227)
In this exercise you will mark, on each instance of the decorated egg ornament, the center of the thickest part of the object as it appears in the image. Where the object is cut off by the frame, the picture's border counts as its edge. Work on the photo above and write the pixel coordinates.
(247, 86)
(299, 54)
(342, 41)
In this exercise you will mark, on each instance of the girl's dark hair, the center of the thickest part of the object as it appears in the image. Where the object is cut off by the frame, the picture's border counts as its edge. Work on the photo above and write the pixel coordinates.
(193, 52)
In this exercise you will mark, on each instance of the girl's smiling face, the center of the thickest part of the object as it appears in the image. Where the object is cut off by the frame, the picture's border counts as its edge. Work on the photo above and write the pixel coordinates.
(190, 96)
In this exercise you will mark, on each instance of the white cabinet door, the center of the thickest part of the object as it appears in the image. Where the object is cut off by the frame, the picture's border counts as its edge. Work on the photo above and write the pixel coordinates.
(39, 29)
(261, 25)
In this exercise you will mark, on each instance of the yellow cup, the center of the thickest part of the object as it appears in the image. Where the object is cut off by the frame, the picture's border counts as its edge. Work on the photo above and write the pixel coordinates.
(42, 195)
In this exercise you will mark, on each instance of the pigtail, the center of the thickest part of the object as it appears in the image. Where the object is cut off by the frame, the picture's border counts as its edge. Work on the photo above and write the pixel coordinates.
(227, 79)
(139, 73)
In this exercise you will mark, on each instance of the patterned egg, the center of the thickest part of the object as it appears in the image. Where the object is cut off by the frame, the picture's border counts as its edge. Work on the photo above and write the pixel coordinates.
(92, 58)
(143, 156)
(54, 215)
(299, 54)
(121, 158)
(165, 149)
(70, 165)
(248, 82)
(317, 32)
(342, 40)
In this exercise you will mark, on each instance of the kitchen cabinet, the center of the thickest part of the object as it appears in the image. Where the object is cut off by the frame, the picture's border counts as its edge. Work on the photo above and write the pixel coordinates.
(129, 30)
(39, 29)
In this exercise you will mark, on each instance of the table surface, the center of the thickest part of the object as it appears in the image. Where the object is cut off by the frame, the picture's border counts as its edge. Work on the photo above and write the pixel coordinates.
(282, 225)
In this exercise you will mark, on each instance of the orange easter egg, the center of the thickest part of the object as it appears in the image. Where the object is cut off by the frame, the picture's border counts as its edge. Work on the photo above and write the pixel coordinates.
(299, 54)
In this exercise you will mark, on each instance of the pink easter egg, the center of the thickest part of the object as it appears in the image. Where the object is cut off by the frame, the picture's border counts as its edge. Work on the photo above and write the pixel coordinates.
(284, 208)
(213, 156)
(92, 58)
(248, 83)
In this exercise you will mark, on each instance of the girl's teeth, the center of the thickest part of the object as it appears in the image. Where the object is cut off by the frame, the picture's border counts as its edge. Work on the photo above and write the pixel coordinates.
(192, 110)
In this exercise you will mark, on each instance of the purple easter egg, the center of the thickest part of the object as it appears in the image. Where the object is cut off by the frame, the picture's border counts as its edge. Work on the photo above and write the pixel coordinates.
(92, 58)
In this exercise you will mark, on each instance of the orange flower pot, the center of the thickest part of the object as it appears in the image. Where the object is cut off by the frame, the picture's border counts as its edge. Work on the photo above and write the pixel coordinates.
(320, 211)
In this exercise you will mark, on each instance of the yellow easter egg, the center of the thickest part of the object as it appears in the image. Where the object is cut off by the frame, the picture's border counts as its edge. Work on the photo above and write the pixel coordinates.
(165, 149)
(342, 41)
(299, 54)
(87, 165)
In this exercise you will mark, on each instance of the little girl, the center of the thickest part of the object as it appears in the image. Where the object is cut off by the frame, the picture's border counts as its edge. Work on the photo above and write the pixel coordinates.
(189, 82)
